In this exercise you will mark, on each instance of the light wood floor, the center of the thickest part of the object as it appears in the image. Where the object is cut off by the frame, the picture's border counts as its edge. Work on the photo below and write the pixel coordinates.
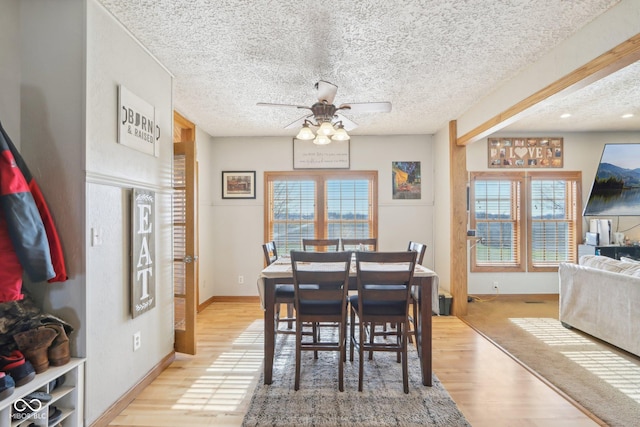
(214, 387)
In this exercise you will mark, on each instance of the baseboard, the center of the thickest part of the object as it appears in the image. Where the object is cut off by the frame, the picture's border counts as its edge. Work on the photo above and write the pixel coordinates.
(205, 304)
(248, 299)
(506, 297)
(114, 410)
(252, 299)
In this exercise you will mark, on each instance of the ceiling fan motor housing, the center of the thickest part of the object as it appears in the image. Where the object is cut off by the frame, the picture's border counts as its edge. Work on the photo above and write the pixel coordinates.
(323, 111)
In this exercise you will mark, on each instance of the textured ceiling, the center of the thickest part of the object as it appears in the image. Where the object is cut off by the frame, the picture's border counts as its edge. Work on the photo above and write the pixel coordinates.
(431, 59)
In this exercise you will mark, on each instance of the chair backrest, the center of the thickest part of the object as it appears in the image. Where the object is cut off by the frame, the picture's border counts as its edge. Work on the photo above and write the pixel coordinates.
(320, 245)
(420, 248)
(270, 252)
(368, 244)
(384, 282)
(328, 273)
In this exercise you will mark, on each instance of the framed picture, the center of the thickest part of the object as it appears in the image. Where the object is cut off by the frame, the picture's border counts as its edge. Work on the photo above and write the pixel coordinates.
(307, 155)
(406, 180)
(525, 152)
(238, 184)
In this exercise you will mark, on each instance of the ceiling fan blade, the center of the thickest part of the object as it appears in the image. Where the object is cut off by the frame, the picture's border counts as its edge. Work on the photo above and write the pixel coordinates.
(348, 125)
(326, 91)
(367, 107)
(298, 122)
(269, 104)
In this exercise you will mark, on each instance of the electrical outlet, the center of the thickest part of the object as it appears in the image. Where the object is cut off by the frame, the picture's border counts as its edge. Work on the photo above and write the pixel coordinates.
(136, 341)
(241, 279)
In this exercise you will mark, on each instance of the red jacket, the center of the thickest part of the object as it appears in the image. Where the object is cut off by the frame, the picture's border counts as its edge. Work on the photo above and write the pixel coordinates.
(28, 237)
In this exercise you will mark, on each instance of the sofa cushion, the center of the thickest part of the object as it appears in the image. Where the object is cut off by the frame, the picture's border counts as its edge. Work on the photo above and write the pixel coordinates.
(610, 264)
(602, 263)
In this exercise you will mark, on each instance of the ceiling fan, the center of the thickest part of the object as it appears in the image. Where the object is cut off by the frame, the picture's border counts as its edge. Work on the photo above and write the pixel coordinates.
(328, 118)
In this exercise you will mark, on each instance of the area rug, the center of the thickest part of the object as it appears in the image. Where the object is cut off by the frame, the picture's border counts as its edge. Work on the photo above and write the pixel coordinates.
(601, 378)
(319, 403)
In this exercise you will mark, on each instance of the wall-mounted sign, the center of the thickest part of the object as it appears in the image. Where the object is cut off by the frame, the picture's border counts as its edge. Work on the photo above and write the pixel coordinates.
(307, 155)
(137, 127)
(143, 251)
(525, 152)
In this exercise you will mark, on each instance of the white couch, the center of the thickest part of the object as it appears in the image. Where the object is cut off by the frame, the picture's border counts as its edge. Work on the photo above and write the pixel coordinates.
(601, 296)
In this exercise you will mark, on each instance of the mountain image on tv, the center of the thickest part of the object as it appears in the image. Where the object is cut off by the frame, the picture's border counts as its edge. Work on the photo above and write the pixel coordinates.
(616, 187)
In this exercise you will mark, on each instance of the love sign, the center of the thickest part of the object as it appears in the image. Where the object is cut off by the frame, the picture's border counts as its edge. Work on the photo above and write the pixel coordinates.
(525, 152)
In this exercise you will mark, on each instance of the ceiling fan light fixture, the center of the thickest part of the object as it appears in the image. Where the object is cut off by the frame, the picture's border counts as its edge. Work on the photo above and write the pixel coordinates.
(322, 140)
(305, 133)
(340, 134)
(326, 129)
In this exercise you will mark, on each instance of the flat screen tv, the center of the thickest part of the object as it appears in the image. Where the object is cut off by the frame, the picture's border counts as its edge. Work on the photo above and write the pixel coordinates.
(616, 187)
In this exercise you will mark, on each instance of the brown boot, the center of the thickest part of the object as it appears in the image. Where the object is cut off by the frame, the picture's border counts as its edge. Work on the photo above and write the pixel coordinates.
(59, 353)
(34, 344)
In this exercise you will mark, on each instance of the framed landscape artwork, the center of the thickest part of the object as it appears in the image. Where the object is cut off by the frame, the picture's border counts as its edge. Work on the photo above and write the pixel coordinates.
(239, 184)
(616, 186)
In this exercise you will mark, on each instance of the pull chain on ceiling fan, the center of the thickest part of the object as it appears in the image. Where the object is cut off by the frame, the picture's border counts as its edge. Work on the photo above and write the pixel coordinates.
(331, 125)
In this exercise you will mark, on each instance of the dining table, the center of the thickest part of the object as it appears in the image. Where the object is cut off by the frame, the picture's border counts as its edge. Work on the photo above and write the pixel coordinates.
(425, 291)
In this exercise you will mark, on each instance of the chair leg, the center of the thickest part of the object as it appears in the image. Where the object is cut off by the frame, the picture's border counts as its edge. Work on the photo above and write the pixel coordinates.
(400, 335)
(405, 373)
(343, 356)
(352, 335)
(314, 328)
(361, 356)
(298, 354)
(416, 322)
(290, 315)
(372, 336)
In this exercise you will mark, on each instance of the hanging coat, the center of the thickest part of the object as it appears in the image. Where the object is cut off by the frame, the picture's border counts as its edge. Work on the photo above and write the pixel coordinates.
(27, 224)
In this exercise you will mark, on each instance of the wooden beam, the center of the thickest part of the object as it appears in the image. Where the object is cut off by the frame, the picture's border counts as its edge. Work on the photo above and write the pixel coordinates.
(458, 192)
(609, 62)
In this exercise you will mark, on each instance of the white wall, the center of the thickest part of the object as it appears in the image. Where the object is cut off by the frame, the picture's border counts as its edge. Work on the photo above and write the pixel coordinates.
(10, 69)
(442, 197)
(73, 57)
(204, 156)
(232, 230)
(114, 57)
(52, 128)
(582, 152)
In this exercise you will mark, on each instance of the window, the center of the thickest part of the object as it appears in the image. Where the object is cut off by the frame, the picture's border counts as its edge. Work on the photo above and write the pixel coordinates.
(319, 205)
(542, 217)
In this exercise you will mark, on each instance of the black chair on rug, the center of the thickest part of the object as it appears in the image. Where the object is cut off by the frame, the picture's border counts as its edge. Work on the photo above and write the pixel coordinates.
(322, 306)
(384, 293)
(420, 249)
(320, 245)
(368, 244)
(284, 293)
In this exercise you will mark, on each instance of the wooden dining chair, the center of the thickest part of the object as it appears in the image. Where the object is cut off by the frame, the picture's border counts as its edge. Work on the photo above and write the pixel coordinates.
(321, 245)
(384, 293)
(321, 306)
(283, 293)
(420, 248)
(368, 244)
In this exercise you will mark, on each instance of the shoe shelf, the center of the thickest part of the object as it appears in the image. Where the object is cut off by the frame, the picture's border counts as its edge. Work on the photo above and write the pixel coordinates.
(65, 408)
